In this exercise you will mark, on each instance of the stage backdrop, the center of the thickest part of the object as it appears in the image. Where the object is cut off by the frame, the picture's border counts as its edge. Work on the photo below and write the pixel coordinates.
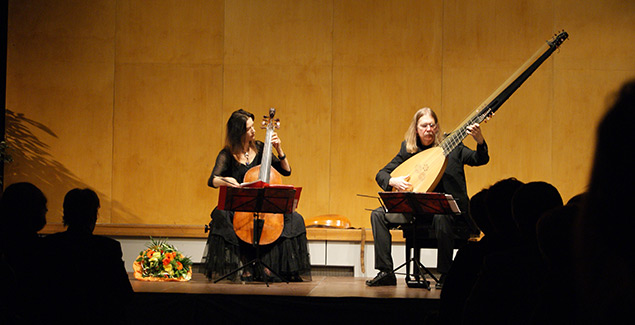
(130, 98)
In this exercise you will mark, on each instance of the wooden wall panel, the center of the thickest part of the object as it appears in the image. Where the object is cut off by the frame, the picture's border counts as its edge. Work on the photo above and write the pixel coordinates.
(301, 96)
(131, 97)
(599, 57)
(601, 34)
(278, 32)
(485, 43)
(168, 110)
(59, 97)
(494, 33)
(599, 60)
(578, 110)
(166, 131)
(387, 65)
(393, 33)
(169, 31)
(278, 54)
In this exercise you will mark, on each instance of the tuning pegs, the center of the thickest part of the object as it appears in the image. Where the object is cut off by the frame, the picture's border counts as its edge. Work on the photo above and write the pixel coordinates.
(267, 121)
(558, 38)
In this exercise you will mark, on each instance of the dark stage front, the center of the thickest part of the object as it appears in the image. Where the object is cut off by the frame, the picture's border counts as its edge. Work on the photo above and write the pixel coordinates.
(324, 300)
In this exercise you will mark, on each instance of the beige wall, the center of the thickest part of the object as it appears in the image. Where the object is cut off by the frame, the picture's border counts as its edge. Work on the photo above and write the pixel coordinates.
(130, 97)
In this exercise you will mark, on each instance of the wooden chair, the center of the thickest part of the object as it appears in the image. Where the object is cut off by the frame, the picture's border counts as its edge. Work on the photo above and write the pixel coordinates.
(328, 221)
(423, 236)
(337, 221)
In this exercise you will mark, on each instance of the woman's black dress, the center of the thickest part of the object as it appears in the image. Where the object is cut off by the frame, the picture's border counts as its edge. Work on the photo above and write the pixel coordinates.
(224, 252)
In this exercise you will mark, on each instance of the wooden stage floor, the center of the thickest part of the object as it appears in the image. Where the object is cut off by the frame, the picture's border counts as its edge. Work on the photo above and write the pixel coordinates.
(320, 286)
(324, 299)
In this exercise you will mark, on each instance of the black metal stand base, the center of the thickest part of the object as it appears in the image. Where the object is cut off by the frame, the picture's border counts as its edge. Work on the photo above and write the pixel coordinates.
(255, 263)
(419, 280)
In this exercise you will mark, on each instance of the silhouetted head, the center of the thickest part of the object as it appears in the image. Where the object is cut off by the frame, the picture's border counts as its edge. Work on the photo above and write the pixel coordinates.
(554, 234)
(613, 176)
(606, 224)
(478, 212)
(80, 209)
(577, 200)
(499, 208)
(22, 209)
(529, 203)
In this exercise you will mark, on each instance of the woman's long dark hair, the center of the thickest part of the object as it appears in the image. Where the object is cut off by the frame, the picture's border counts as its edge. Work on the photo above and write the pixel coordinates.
(236, 128)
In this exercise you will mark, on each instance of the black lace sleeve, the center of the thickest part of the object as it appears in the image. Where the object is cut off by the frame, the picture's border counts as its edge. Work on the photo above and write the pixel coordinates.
(222, 167)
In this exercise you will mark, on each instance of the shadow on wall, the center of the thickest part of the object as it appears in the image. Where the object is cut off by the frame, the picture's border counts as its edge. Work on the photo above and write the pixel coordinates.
(32, 162)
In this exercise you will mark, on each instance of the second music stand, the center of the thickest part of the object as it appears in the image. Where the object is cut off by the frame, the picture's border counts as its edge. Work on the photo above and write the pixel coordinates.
(417, 204)
(264, 199)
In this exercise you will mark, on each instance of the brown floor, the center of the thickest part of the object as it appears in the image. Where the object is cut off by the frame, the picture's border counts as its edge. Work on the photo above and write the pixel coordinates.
(324, 300)
(320, 286)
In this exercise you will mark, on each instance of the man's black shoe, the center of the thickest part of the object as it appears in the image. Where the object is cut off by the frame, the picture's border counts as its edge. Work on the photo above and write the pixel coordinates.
(383, 279)
(439, 284)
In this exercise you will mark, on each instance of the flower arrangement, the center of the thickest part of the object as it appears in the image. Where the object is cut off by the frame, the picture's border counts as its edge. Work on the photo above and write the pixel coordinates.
(162, 262)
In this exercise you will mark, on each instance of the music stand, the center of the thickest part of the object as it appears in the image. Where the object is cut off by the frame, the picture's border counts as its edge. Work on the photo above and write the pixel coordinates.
(267, 199)
(417, 204)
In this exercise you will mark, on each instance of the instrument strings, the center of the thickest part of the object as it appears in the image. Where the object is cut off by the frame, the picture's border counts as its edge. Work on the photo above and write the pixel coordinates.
(453, 139)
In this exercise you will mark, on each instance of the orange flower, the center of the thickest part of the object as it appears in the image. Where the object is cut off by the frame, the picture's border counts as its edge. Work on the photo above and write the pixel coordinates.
(179, 266)
(166, 261)
(150, 252)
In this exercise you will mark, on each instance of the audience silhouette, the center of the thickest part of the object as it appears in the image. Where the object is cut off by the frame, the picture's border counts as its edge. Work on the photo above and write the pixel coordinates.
(467, 263)
(507, 287)
(568, 263)
(605, 254)
(554, 233)
(504, 234)
(92, 284)
(529, 203)
(499, 210)
(22, 215)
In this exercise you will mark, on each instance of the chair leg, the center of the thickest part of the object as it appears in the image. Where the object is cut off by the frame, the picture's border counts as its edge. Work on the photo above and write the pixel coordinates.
(408, 247)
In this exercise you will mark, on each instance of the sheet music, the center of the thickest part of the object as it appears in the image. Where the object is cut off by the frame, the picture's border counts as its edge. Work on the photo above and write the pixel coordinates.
(261, 184)
(419, 202)
(256, 183)
(453, 205)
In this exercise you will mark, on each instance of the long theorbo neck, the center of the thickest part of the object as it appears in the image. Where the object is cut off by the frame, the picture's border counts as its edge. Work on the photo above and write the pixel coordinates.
(494, 101)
